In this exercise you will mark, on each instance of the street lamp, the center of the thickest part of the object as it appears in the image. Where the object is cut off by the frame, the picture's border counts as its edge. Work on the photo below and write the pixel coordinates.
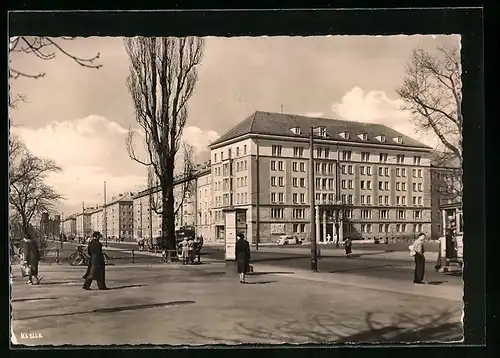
(314, 252)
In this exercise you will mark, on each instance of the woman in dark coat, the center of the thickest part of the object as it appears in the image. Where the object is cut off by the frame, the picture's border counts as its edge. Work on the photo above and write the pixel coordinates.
(242, 253)
(31, 259)
(97, 264)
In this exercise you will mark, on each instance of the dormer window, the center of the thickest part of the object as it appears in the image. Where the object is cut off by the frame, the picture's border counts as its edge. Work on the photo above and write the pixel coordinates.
(322, 131)
(345, 135)
(381, 138)
(363, 136)
(399, 139)
(295, 130)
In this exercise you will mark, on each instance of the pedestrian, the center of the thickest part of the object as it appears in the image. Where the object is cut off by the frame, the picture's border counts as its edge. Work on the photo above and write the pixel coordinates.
(242, 253)
(348, 247)
(185, 251)
(96, 268)
(328, 238)
(31, 258)
(418, 252)
(191, 251)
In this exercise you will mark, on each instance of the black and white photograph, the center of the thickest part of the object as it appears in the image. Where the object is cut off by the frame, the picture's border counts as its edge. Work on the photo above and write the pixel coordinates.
(211, 190)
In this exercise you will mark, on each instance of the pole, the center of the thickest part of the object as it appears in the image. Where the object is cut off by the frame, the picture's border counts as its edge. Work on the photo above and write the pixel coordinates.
(83, 221)
(314, 252)
(105, 218)
(257, 198)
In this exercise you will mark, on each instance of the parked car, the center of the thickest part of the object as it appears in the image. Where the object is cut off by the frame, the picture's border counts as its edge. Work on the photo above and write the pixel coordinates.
(288, 240)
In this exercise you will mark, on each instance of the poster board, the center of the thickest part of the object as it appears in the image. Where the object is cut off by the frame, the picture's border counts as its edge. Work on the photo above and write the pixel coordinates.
(230, 235)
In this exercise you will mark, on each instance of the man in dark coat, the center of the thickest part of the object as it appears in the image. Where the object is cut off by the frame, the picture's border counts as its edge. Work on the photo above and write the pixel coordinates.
(97, 264)
(31, 259)
(242, 253)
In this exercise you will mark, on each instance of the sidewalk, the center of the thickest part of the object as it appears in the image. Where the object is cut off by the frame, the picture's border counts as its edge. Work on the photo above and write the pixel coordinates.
(205, 305)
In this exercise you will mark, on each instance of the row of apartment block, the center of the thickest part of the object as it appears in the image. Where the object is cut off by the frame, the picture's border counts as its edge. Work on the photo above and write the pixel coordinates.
(369, 180)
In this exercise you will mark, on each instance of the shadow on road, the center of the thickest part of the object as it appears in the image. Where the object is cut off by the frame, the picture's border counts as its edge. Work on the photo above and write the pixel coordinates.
(269, 273)
(436, 282)
(111, 309)
(363, 268)
(33, 299)
(259, 282)
(333, 328)
(127, 286)
(293, 257)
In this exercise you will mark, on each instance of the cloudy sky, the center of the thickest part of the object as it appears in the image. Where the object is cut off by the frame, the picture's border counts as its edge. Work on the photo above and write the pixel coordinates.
(80, 117)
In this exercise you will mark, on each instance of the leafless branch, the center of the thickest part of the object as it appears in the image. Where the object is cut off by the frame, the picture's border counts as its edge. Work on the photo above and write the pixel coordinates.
(45, 48)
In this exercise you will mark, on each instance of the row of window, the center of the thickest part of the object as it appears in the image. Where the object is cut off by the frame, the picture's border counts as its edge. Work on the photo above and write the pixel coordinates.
(300, 213)
(346, 155)
(367, 228)
(238, 153)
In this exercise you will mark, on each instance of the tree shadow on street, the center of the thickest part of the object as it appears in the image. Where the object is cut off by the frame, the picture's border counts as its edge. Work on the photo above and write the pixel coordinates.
(111, 309)
(270, 273)
(33, 299)
(363, 268)
(335, 328)
(126, 286)
(258, 282)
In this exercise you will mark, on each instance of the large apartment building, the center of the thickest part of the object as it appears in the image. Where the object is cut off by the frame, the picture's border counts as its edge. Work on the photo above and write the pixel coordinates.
(148, 223)
(370, 180)
(69, 226)
(118, 218)
(204, 200)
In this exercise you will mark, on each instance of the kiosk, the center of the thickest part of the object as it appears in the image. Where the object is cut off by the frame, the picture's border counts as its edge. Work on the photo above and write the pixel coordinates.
(235, 222)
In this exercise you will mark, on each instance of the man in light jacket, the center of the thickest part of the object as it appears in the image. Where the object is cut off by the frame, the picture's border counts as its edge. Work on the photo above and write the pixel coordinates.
(419, 255)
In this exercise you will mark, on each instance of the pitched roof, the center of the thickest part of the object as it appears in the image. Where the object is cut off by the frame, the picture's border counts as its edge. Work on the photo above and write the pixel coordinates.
(281, 124)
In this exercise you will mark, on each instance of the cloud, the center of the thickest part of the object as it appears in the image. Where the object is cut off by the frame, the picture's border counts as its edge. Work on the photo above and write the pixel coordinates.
(376, 107)
(92, 150)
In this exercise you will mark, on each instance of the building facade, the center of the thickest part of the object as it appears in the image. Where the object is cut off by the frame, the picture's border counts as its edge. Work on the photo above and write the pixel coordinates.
(118, 218)
(97, 220)
(370, 181)
(69, 227)
(204, 201)
(50, 225)
(83, 228)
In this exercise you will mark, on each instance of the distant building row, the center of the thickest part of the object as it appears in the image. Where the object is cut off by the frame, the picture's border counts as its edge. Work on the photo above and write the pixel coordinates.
(370, 181)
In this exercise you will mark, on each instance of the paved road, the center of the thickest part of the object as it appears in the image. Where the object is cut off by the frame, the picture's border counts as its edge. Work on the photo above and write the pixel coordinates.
(366, 265)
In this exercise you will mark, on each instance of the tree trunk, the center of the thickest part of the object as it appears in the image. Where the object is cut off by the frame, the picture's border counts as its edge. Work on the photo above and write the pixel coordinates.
(168, 214)
(26, 227)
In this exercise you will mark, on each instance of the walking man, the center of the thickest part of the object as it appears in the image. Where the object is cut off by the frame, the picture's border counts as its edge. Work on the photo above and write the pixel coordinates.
(97, 264)
(418, 253)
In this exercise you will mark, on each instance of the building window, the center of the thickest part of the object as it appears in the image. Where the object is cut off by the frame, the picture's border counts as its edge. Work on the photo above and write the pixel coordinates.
(397, 186)
(343, 169)
(351, 184)
(403, 200)
(380, 171)
(403, 186)
(384, 214)
(416, 160)
(401, 214)
(369, 185)
(386, 185)
(397, 172)
(400, 159)
(366, 214)
(244, 149)
(417, 214)
(295, 167)
(319, 152)
(362, 184)
(414, 173)
(386, 172)
(403, 172)
(298, 152)
(349, 199)
(277, 213)
(276, 150)
(383, 157)
(366, 228)
(273, 165)
(368, 170)
(273, 181)
(302, 198)
(327, 152)
(280, 166)
(364, 136)
(368, 200)
(343, 198)
(346, 155)
(299, 213)
(362, 170)
(344, 184)
(322, 131)
(302, 167)
(299, 228)
(281, 181)
(295, 198)
(237, 151)
(380, 185)
(349, 169)
(365, 156)
(295, 182)
(281, 197)
(420, 200)
(386, 200)
(398, 200)
(362, 199)
(302, 182)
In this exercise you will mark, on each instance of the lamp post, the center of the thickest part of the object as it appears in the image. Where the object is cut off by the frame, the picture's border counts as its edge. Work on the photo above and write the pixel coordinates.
(338, 218)
(314, 252)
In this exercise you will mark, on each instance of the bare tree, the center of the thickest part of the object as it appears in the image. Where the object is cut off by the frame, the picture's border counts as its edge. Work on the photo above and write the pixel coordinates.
(29, 194)
(432, 92)
(162, 79)
(45, 48)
